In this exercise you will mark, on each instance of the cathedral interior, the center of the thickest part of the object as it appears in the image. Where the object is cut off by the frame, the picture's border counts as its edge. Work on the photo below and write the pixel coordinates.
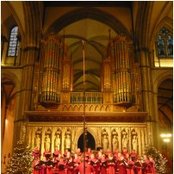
(104, 68)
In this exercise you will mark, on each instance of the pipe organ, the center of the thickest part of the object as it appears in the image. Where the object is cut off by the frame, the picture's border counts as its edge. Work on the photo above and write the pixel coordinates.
(121, 71)
(51, 55)
(59, 107)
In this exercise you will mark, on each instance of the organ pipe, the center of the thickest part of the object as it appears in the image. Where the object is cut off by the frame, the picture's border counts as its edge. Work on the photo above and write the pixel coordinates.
(122, 90)
(50, 70)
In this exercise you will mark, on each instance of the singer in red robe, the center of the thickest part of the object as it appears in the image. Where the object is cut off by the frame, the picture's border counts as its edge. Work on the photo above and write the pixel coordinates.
(88, 168)
(61, 166)
(36, 162)
(103, 165)
(111, 165)
(122, 164)
(70, 165)
(95, 163)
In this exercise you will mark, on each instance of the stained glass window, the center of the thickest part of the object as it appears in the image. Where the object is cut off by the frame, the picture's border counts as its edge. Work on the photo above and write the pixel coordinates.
(13, 42)
(164, 43)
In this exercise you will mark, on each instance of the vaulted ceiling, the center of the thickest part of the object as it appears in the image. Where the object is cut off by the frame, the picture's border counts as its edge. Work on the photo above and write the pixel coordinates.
(165, 103)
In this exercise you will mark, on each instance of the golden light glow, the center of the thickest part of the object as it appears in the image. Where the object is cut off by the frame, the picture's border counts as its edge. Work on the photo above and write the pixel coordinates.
(165, 135)
(6, 121)
(166, 140)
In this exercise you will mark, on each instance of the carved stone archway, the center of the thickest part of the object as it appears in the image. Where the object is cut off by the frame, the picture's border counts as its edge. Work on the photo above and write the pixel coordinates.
(90, 142)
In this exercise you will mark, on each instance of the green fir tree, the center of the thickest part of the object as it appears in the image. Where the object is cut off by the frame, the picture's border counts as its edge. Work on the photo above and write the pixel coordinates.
(160, 160)
(21, 161)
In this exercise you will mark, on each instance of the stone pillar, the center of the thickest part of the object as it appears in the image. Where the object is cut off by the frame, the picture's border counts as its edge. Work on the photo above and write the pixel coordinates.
(29, 55)
(4, 48)
(147, 92)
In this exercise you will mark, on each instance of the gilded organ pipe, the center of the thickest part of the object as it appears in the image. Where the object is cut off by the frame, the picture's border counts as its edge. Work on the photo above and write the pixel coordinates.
(50, 70)
(122, 91)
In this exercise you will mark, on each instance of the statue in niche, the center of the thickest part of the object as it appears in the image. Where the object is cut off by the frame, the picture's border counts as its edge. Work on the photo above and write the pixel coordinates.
(57, 142)
(47, 142)
(68, 141)
(114, 142)
(37, 141)
(105, 141)
(134, 143)
(124, 141)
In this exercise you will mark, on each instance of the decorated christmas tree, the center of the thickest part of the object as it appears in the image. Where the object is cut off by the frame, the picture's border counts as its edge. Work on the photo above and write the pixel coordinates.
(21, 161)
(160, 160)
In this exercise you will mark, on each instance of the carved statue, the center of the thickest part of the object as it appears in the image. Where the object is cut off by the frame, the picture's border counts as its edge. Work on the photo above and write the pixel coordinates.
(57, 142)
(105, 142)
(135, 143)
(47, 143)
(114, 143)
(38, 141)
(124, 141)
(68, 142)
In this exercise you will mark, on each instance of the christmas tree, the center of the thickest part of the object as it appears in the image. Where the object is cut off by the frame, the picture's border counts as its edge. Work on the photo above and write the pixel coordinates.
(160, 160)
(21, 161)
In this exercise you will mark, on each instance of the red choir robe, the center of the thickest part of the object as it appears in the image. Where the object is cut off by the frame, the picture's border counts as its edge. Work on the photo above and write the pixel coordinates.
(96, 165)
(122, 167)
(49, 167)
(130, 167)
(152, 167)
(148, 169)
(61, 167)
(36, 166)
(103, 166)
(88, 168)
(70, 166)
(55, 164)
(111, 165)
(138, 167)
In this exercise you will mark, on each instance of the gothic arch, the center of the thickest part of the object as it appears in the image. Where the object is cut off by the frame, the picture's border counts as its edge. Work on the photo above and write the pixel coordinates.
(14, 19)
(80, 132)
(92, 13)
(89, 137)
(165, 22)
(163, 75)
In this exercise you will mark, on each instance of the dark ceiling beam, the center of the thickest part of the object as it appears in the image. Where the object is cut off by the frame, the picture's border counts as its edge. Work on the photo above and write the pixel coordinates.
(166, 116)
(163, 97)
(165, 89)
(167, 105)
(169, 99)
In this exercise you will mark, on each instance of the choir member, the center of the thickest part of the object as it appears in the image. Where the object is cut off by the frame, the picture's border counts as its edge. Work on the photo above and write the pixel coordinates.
(122, 164)
(103, 164)
(61, 166)
(111, 165)
(70, 165)
(36, 161)
(88, 168)
(95, 163)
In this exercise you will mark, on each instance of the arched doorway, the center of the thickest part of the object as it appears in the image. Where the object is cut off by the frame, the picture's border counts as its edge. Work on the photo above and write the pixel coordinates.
(165, 117)
(90, 142)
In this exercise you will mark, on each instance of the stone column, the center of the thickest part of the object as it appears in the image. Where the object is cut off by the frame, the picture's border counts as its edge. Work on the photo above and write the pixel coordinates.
(28, 57)
(147, 92)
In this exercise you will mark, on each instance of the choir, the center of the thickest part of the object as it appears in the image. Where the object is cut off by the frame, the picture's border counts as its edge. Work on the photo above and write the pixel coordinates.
(92, 162)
